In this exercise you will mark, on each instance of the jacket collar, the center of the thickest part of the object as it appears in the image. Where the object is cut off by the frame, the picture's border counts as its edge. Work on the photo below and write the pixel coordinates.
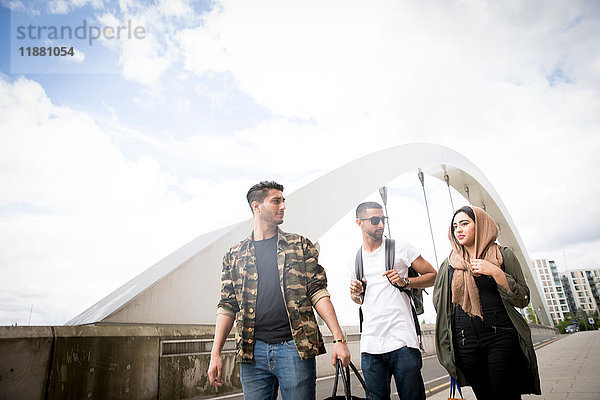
(281, 238)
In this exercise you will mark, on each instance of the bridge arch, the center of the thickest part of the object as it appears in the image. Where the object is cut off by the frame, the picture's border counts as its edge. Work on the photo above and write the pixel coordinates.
(183, 288)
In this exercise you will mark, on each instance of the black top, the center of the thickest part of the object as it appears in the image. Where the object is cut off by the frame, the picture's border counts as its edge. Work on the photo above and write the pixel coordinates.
(489, 297)
(272, 324)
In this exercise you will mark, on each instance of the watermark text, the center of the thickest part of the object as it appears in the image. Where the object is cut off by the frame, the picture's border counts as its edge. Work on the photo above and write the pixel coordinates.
(84, 31)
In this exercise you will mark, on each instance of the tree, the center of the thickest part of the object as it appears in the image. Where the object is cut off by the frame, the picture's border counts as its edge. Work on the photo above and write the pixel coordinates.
(532, 316)
(562, 325)
(582, 318)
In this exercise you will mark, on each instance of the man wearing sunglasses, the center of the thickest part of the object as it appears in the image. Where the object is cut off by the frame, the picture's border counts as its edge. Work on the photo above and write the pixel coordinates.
(389, 344)
(270, 283)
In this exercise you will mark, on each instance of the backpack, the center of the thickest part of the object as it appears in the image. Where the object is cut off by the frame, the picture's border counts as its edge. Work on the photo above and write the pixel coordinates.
(416, 295)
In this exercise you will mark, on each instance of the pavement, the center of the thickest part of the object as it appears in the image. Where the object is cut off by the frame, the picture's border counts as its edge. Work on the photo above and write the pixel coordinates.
(569, 369)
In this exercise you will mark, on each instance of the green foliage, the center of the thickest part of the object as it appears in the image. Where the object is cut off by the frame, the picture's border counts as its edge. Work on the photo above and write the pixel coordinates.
(583, 322)
(532, 316)
(562, 325)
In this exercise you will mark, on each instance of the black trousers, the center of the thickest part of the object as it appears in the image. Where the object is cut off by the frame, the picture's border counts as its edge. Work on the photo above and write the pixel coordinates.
(489, 354)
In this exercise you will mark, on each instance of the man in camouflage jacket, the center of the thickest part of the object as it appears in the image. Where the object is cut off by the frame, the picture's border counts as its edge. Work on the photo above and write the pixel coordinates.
(302, 285)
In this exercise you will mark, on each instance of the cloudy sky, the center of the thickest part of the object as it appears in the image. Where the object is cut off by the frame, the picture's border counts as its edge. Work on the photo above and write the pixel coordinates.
(115, 156)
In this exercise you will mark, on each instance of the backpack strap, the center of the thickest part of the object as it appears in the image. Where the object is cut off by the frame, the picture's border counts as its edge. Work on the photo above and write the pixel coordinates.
(358, 270)
(390, 257)
(358, 265)
(390, 253)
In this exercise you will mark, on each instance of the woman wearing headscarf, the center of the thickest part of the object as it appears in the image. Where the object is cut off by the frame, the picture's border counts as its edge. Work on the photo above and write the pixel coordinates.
(481, 339)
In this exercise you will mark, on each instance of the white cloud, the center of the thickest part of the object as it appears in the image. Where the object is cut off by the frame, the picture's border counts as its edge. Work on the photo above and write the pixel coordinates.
(143, 62)
(513, 87)
(13, 5)
(175, 8)
(79, 219)
(58, 7)
(388, 61)
(143, 59)
(66, 6)
(77, 58)
(147, 60)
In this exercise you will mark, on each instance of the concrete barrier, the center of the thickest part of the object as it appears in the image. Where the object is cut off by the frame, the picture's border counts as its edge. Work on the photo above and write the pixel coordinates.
(137, 362)
(540, 333)
(24, 361)
(95, 362)
(104, 361)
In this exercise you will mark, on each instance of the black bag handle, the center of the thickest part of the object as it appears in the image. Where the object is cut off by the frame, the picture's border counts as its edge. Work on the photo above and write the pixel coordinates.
(361, 380)
(339, 370)
(345, 373)
(335, 380)
(346, 379)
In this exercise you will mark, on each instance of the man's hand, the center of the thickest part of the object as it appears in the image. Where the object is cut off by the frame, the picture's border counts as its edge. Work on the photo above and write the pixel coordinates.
(215, 370)
(356, 287)
(223, 326)
(394, 277)
(340, 351)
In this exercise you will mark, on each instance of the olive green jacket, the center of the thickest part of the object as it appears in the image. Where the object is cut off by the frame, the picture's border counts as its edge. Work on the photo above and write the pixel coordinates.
(517, 296)
(303, 283)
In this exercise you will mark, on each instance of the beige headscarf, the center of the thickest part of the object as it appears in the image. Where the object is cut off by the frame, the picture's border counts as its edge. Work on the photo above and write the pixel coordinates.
(464, 289)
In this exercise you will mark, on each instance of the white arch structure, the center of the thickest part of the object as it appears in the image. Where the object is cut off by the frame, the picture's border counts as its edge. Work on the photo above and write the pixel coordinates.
(183, 288)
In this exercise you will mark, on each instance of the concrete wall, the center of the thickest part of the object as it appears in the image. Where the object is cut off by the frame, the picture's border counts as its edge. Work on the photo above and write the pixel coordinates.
(90, 362)
(100, 362)
(24, 361)
(135, 362)
(540, 333)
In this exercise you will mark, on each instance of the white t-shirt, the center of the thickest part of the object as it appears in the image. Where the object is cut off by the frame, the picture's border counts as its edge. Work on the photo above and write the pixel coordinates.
(387, 317)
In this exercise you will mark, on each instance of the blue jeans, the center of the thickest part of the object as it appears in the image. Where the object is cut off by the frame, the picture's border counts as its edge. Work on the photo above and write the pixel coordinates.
(274, 364)
(405, 364)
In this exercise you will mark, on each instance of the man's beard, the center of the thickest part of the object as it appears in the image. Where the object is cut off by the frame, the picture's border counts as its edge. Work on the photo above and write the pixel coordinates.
(377, 235)
(275, 220)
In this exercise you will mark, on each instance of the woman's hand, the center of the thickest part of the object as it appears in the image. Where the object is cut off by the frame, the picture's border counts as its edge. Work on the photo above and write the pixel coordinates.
(483, 267)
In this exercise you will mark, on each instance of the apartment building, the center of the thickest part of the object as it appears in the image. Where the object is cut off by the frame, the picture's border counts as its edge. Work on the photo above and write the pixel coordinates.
(584, 286)
(552, 287)
(593, 277)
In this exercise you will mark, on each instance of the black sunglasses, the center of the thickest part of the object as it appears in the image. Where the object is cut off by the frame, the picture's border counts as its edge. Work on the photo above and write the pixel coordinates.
(375, 220)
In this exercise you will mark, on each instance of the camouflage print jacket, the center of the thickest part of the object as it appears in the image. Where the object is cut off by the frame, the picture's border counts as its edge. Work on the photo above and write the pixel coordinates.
(302, 281)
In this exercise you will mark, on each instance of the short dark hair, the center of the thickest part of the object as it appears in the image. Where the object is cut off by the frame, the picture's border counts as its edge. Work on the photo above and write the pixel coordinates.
(467, 210)
(363, 207)
(259, 191)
